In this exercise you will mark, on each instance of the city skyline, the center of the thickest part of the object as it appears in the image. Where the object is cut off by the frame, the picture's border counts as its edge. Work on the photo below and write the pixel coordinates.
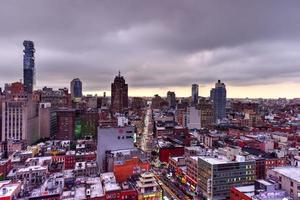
(193, 43)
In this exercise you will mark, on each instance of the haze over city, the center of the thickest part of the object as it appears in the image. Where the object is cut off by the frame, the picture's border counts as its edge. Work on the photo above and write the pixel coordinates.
(158, 46)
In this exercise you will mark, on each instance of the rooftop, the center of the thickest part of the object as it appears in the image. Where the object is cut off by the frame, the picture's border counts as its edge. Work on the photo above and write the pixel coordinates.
(215, 160)
(247, 190)
(8, 189)
(289, 171)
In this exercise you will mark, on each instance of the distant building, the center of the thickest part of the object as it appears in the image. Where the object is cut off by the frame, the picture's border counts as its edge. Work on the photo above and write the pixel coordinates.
(57, 98)
(207, 113)
(65, 124)
(137, 104)
(76, 88)
(28, 66)
(195, 93)
(112, 139)
(171, 98)
(119, 94)
(47, 120)
(218, 96)
(193, 118)
(157, 102)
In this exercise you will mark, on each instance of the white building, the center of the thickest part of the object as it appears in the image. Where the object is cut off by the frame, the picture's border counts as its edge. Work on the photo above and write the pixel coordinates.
(288, 179)
(111, 139)
(193, 118)
(20, 120)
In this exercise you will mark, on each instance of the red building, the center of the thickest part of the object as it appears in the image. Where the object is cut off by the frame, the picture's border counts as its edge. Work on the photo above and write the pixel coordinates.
(264, 164)
(65, 124)
(69, 160)
(166, 152)
(126, 169)
(5, 167)
(242, 193)
(86, 156)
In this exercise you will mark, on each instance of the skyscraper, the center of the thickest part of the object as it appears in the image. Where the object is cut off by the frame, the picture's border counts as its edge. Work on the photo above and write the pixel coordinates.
(171, 98)
(119, 94)
(28, 66)
(195, 93)
(76, 88)
(218, 96)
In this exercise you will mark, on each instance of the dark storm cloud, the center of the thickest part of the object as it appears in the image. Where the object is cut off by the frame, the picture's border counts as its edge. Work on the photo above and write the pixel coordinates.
(154, 43)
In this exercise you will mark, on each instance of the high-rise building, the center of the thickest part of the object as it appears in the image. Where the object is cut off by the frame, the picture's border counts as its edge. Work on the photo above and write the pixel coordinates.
(195, 93)
(20, 120)
(28, 66)
(218, 96)
(76, 88)
(171, 98)
(119, 94)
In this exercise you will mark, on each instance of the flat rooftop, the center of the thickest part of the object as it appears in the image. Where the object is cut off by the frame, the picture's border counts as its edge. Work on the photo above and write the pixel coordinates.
(289, 171)
(8, 190)
(247, 190)
(215, 161)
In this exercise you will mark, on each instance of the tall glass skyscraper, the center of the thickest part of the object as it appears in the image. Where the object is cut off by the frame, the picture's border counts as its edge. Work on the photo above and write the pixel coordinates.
(76, 88)
(218, 96)
(195, 93)
(28, 66)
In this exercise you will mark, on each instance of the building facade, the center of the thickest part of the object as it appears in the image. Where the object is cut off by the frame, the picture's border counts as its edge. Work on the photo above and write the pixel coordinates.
(19, 120)
(216, 176)
(171, 98)
(65, 124)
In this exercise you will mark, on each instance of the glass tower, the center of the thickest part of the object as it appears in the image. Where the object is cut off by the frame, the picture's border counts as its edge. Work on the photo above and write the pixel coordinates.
(28, 66)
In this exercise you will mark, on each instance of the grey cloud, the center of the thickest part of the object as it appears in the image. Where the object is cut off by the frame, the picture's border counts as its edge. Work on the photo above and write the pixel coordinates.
(154, 43)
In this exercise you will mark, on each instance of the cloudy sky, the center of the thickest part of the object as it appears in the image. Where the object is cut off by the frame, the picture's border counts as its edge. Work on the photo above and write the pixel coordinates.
(159, 45)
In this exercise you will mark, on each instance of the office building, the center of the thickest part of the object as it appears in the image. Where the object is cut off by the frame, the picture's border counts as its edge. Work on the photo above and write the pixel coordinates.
(76, 88)
(195, 93)
(218, 96)
(217, 175)
(119, 94)
(171, 98)
(28, 66)
(20, 120)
